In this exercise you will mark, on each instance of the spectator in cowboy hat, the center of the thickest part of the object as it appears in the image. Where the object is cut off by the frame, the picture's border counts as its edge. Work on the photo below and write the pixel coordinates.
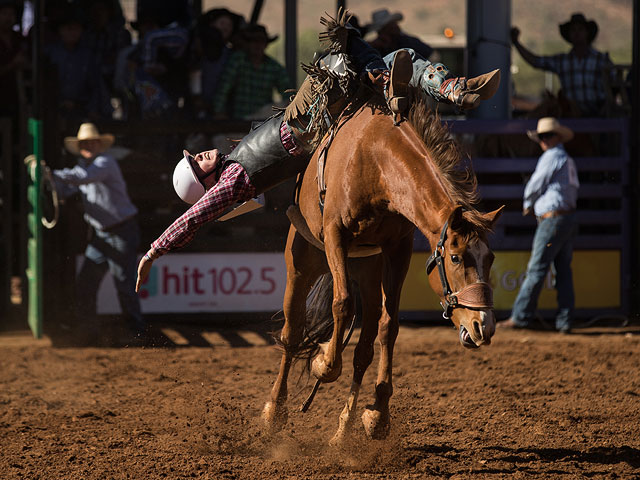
(580, 70)
(390, 38)
(550, 195)
(250, 76)
(213, 44)
(112, 216)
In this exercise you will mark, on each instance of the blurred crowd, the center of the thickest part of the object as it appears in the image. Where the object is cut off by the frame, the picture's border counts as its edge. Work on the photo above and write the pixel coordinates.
(166, 62)
(169, 61)
(163, 62)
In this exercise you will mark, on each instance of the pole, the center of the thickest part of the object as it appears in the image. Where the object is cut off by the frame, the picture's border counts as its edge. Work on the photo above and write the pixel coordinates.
(291, 39)
(34, 242)
(634, 170)
(255, 14)
(489, 47)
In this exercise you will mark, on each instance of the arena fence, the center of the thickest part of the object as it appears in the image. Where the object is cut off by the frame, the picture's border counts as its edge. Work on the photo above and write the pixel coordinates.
(601, 262)
(243, 257)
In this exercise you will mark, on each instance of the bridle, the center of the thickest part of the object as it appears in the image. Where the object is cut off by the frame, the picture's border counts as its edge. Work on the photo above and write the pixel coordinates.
(474, 295)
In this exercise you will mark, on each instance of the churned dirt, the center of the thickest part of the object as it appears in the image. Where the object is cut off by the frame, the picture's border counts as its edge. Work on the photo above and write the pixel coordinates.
(531, 405)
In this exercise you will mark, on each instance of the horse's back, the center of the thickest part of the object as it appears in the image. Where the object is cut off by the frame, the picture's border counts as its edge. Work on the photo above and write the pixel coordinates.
(351, 171)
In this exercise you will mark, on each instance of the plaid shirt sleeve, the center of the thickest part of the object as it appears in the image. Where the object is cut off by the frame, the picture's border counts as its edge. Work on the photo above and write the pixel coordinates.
(234, 186)
(550, 63)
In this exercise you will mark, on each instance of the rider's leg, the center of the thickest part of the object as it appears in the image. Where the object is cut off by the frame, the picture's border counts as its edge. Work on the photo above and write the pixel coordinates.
(439, 83)
(436, 80)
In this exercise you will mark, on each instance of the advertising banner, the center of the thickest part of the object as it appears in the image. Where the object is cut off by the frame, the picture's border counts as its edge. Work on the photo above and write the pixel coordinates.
(255, 282)
(207, 282)
(596, 279)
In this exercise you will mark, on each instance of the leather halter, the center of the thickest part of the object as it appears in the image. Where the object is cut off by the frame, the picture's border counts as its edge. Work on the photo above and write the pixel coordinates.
(474, 295)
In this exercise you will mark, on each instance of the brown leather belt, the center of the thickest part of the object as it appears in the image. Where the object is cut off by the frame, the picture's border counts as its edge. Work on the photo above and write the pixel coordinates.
(555, 213)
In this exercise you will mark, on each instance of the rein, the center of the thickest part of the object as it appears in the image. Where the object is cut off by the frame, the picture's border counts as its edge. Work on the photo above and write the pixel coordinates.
(474, 295)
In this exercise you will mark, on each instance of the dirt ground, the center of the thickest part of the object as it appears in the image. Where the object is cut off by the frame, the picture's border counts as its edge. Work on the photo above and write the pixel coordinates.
(531, 405)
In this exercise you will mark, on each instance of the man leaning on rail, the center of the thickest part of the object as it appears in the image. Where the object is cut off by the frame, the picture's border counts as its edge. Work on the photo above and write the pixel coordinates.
(281, 146)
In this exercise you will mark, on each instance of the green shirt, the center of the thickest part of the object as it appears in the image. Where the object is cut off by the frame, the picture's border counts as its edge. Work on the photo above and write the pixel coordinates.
(246, 88)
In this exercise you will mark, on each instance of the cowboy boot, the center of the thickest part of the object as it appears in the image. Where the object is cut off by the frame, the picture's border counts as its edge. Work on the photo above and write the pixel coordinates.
(484, 85)
(398, 94)
(460, 91)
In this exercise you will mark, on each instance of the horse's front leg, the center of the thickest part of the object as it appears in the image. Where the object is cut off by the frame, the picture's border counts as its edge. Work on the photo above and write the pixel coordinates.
(327, 366)
(368, 276)
(304, 264)
(376, 418)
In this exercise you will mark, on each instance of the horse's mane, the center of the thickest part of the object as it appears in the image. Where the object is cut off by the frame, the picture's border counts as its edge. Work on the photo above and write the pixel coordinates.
(458, 177)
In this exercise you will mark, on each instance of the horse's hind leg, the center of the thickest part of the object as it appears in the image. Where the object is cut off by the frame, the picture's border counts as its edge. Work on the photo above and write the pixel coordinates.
(367, 272)
(327, 366)
(304, 264)
(376, 417)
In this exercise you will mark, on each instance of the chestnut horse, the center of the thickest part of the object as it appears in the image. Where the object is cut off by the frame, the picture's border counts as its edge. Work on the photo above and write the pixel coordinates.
(382, 181)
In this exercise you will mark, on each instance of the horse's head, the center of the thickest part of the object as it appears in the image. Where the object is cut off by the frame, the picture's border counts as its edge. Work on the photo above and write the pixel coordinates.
(458, 271)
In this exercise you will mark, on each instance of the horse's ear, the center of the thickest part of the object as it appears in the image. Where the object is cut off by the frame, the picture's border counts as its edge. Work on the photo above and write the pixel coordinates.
(493, 217)
(455, 217)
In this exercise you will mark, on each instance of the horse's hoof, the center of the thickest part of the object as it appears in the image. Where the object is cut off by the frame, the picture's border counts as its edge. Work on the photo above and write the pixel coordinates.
(338, 440)
(324, 373)
(274, 417)
(376, 424)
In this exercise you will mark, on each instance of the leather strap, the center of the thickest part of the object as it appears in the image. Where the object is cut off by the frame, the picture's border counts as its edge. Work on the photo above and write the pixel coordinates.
(555, 213)
(476, 295)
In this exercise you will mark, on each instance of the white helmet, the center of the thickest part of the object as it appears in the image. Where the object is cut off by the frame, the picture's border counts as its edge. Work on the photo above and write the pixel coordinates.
(185, 181)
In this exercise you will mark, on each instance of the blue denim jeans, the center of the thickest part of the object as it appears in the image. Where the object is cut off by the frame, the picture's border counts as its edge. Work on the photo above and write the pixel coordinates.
(114, 251)
(552, 243)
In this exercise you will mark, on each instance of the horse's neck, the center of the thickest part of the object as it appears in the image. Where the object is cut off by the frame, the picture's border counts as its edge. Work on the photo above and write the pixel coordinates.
(417, 190)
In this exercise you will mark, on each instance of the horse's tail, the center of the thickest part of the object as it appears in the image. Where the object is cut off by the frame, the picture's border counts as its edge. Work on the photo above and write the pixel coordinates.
(318, 326)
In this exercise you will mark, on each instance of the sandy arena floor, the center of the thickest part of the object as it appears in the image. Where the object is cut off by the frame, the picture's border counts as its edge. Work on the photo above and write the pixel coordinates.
(531, 405)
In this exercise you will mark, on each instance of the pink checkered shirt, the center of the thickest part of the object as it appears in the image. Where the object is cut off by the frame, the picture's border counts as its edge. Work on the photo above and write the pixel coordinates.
(232, 187)
(288, 140)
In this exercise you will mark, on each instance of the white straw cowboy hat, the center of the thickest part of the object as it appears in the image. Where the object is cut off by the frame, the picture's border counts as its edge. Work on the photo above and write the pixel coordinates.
(381, 17)
(88, 131)
(548, 125)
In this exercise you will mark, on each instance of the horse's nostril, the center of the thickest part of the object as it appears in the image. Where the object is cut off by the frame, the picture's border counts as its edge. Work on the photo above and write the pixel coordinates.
(477, 329)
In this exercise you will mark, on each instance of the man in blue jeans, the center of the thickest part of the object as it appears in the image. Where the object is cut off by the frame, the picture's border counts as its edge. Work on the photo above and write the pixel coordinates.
(116, 235)
(551, 195)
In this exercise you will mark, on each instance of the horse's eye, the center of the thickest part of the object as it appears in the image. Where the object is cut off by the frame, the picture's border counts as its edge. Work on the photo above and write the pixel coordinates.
(455, 259)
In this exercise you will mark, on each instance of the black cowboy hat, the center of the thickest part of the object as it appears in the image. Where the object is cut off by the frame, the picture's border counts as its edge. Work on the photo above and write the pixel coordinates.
(590, 25)
(207, 18)
(215, 13)
(254, 30)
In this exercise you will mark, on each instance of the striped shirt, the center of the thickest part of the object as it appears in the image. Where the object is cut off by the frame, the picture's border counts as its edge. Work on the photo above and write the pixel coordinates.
(581, 78)
(245, 88)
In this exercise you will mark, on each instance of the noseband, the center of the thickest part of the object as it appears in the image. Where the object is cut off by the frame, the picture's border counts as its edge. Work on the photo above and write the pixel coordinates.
(474, 295)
